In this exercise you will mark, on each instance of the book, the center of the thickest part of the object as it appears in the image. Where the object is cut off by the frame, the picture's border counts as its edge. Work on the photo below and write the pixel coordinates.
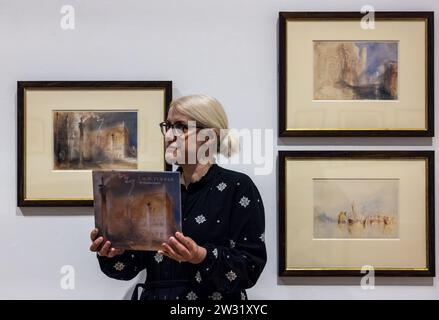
(137, 210)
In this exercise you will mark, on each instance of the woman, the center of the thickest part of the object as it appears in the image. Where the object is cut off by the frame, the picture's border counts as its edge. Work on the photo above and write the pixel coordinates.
(222, 251)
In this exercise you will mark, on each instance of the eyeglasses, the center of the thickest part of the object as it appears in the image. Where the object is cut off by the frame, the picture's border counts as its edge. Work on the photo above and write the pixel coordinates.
(178, 128)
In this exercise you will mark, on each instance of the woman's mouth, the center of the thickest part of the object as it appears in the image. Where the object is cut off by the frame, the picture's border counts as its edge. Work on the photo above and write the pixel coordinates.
(171, 147)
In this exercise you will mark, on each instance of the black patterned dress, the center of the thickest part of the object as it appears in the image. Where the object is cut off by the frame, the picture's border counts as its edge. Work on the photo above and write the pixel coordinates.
(222, 212)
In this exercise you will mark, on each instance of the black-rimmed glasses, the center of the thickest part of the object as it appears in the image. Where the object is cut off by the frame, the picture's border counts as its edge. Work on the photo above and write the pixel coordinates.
(178, 128)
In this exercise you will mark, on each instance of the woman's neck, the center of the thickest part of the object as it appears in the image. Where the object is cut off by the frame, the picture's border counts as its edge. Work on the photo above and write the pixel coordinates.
(194, 172)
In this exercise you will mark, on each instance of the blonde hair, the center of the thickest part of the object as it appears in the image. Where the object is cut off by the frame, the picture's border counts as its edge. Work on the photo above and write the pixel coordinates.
(208, 112)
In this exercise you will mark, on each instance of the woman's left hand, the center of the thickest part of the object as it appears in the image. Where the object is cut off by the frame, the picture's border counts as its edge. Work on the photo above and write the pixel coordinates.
(183, 249)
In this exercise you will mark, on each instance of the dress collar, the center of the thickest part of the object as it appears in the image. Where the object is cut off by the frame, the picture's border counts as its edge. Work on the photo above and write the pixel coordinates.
(213, 170)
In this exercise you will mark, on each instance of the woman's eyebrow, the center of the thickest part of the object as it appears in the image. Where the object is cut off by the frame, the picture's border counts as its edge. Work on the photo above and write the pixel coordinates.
(181, 122)
(176, 122)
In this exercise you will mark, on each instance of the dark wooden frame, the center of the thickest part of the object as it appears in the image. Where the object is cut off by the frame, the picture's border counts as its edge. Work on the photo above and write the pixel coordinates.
(384, 15)
(349, 155)
(70, 85)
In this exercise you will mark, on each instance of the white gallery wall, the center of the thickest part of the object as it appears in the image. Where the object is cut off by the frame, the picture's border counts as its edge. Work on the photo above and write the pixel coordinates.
(223, 48)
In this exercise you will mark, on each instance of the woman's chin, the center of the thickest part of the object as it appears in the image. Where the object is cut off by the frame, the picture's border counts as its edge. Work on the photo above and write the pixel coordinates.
(171, 156)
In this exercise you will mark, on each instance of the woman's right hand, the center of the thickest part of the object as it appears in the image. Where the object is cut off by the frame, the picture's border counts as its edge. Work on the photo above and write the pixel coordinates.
(103, 249)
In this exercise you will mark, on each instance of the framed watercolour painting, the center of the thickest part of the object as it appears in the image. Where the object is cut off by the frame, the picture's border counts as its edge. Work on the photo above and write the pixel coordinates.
(341, 211)
(67, 129)
(339, 78)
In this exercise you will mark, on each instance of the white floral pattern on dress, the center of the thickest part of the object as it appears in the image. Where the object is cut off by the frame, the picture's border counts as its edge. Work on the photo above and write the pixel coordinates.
(119, 266)
(244, 201)
(216, 296)
(158, 257)
(198, 277)
(231, 275)
(215, 252)
(200, 219)
(191, 296)
(221, 186)
(262, 237)
(232, 243)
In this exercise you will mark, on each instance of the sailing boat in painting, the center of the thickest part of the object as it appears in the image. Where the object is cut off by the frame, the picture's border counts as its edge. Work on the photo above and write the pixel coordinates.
(358, 208)
(353, 217)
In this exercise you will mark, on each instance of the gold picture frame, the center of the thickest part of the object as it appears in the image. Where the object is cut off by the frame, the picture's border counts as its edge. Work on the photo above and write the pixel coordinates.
(339, 79)
(58, 144)
(342, 211)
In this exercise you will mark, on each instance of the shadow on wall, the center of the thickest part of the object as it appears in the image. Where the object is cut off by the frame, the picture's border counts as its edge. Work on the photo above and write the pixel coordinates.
(140, 279)
(65, 211)
(354, 281)
(344, 141)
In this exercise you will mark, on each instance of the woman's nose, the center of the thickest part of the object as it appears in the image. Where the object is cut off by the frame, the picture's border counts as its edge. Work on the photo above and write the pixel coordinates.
(169, 136)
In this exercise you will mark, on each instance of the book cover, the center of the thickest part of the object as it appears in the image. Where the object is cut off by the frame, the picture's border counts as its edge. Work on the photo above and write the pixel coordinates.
(137, 210)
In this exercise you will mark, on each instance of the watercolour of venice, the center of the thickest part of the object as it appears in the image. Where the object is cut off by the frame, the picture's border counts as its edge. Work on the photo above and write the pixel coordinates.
(355, 70)
(355, 208)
